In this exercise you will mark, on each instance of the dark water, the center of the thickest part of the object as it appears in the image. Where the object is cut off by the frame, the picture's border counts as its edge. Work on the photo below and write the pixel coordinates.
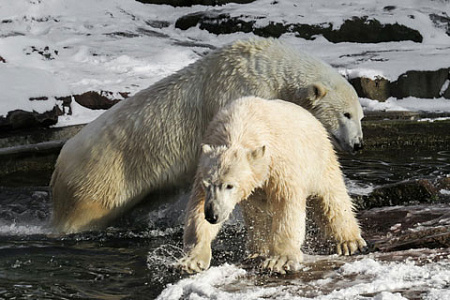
(382, 167)
(131, 259)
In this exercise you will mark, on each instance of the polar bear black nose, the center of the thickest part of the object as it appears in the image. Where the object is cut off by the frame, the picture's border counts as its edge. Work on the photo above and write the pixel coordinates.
(210, 215)
(358, 146)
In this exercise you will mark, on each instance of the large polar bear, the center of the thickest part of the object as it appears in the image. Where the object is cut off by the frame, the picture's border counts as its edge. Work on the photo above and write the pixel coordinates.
(151, 141)
(269, 156)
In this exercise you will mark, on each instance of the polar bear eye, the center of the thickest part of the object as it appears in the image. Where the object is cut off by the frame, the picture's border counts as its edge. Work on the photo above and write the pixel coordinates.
(347, 115)
(229, 186)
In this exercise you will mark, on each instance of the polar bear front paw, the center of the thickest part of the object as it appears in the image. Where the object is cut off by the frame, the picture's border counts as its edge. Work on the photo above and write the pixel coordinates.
(282, 264)
(350, 247)
(192, 264)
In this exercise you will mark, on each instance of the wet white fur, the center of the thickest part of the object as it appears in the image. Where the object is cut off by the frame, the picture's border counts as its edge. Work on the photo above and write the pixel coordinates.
(151, 140)
(269, 156)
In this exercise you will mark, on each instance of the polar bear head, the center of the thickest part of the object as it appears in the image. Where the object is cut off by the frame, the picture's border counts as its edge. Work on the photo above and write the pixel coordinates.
(228, 176)
(296, 76)
(336, 105)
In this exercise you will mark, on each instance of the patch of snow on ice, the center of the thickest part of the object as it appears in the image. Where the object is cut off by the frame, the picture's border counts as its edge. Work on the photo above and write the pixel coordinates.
(374, 105)
(407, 104)
(416, 104)
(204, 285)
(431, 120)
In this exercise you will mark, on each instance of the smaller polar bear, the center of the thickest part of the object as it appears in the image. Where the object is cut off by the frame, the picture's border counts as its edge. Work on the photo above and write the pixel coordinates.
(269, 157)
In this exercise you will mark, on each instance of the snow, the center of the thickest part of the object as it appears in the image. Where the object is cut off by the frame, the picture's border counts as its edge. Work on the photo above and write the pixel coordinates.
(58, 48)
(20, 230)
(407, 104)
(80, 115)
(357, 279)
(203, 285)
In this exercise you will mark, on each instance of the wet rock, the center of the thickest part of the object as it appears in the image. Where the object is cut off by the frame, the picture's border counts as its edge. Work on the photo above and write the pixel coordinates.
(157, 24)
(420, 84)
(365, 30)
(389, 8)
(441, 21)
(446, 94)
(443, 183)
(190, 20)
(390, 115)
(29, 165)
(29, 205)
(2, 60)
(45, 52)
(407, 192)
(357, 29)
(428, 238)
(36, 135)
(407, 227)
(43, 98)
(178, 3)
(377, 89)
(99, 100)
(401, 134)
(66, 104)
(18, 119)
(125, 34)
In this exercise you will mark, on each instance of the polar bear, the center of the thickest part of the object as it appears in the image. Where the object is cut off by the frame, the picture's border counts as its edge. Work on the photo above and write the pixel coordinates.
(268, 156)
(150, 141)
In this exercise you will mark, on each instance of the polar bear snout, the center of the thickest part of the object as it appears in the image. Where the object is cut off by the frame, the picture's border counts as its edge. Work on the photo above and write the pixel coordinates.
(218, 207)
(211, 215)
(217, 211)
(358, 146)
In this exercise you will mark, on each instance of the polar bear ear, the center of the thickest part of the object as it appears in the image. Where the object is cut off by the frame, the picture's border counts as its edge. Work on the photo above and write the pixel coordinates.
(313, 92)
(206, 148)
(318, 91)
(257, 153)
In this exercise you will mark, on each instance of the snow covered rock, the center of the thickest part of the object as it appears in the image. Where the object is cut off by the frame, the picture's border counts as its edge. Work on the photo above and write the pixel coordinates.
(355, 29)
(414, 83)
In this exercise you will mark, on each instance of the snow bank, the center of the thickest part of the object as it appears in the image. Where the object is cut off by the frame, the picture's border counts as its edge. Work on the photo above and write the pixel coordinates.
(60, 48)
